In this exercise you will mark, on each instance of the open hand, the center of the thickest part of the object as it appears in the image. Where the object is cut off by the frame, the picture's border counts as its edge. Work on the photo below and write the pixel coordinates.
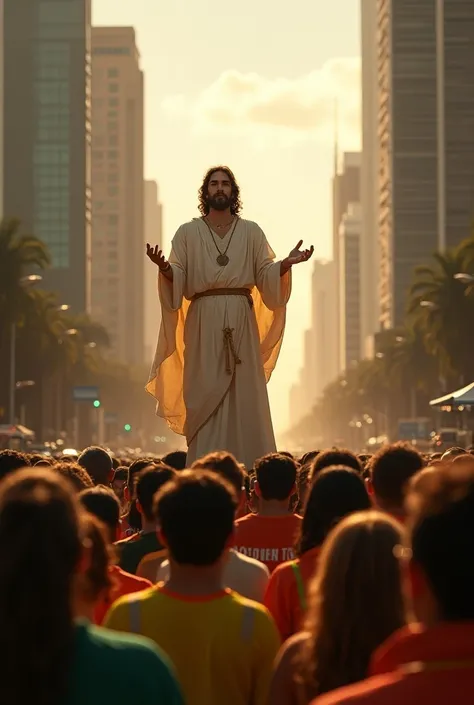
(156, 256)
(298, 255)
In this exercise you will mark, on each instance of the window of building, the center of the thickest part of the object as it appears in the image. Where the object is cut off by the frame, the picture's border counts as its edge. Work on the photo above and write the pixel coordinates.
(113, 178)
(112, 126)
(113, 73)
(113, 87)
(114, 102)
(113, 219)
(113, 140)
(112, 191)
(112, 154)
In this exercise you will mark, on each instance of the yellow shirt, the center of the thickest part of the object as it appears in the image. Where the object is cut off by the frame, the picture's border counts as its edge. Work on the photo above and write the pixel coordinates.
(223, 645)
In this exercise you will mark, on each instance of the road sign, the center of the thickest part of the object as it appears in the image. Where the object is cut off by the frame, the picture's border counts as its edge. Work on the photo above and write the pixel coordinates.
(85, 393)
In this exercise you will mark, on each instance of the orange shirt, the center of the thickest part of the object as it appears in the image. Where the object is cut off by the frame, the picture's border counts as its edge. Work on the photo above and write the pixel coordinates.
(125, 584)
(283, 598)
(430, 666)
(268, 539)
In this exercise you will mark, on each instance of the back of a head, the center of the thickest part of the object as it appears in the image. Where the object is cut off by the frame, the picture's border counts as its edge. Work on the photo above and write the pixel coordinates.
(276, 476)
(176, 459)
(195, 512)
(98, 464)
(358, 561)
(102, 503)
(40, 548)
(149, 481)
(76, 475)
(11, 460)
(226, 466)
(135, 468)
(441, 517)
(391, 469)
(335, 493)
(335, 457)
(453, 453)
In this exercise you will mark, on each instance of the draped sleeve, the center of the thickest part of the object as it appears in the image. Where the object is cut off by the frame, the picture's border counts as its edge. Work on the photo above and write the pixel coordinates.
(165, 382)
(271, 295)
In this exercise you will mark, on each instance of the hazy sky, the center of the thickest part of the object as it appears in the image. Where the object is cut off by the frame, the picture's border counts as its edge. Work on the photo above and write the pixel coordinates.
(244, 84)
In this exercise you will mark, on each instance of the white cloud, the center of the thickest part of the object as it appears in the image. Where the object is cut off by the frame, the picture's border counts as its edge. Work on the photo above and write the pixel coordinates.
(299, 108)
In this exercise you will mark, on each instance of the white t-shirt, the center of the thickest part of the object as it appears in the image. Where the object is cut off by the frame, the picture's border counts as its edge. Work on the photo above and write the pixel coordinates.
(242, 574)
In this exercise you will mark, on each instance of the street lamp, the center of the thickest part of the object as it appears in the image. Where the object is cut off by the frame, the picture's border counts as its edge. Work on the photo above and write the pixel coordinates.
(63, 307)
(27, 281)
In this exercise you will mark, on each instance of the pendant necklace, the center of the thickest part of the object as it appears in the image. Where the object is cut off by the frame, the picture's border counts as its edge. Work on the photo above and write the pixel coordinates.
(222, 258)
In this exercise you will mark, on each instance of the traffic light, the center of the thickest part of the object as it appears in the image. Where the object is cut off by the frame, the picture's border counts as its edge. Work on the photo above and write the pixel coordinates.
(127, 427)
(96, 403)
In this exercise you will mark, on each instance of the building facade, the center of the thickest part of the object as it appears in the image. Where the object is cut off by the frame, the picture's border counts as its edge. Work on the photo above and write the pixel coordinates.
(47, 135)
(345, 190)
(425, 128)
(369, 183)
(118, 229)
(153, 235)
(350, 236)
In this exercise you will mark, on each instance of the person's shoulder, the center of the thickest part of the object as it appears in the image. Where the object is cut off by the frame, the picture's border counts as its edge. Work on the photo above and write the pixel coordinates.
(102, 641)
(190, 226)
(127, 541)
(283, 570)
(252, 227)
(388, 689)
(248, 518)
(259, 612)
(131, 580)
(115, 653)
(250, 564)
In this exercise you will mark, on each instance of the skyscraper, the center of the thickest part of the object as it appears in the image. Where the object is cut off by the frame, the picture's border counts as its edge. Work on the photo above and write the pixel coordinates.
(324, 321)
(118, 233)
(345, 190)
(46, 129)
(350, 236)
(369, 243)
(153, 235)
(425, 133)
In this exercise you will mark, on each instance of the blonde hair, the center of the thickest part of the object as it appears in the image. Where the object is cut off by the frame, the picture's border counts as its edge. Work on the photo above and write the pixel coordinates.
(356, 601)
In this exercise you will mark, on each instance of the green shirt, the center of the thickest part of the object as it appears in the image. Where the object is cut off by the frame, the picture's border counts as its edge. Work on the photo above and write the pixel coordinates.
(111, 668)
(133, 549)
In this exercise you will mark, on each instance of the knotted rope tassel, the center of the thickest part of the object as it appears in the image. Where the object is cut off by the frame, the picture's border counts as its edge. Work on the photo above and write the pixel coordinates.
(230, 350)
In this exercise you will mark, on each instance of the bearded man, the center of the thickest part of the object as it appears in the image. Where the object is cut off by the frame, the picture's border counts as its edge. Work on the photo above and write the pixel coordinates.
(223, 299)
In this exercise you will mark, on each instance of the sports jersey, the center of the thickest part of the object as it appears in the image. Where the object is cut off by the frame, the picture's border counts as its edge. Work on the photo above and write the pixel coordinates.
(222, 645)
(269, 539)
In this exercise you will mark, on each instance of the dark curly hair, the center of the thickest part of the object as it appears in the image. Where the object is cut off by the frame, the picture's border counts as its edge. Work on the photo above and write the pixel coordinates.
(236, 204)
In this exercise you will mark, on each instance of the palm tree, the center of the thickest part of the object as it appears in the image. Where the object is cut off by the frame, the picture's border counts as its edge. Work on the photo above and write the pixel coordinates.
(18, 254)
(442, 309)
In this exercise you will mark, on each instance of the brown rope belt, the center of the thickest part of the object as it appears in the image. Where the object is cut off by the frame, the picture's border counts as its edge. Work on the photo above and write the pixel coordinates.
(229, 346)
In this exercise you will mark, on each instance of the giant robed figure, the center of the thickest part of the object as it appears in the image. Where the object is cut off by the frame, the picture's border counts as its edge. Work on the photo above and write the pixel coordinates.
(221, 333)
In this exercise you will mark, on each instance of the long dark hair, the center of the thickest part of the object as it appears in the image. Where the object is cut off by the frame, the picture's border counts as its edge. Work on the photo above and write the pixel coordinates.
(40, 548)
(236, 203)
(356, 602)
(336, 492)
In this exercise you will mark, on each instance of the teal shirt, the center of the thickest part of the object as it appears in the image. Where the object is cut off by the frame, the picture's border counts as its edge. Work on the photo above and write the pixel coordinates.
(111, 668)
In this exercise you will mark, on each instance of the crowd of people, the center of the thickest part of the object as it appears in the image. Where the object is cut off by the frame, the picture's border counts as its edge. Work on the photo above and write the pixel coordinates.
(333, 578)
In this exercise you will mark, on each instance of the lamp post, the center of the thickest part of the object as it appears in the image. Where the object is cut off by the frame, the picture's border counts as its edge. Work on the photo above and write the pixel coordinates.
(60, 376)
(30, 280)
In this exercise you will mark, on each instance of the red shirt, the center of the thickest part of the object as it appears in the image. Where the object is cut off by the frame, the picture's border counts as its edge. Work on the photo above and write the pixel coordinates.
(268, 539)
(283, 599)
(125, 584)
(427, 667)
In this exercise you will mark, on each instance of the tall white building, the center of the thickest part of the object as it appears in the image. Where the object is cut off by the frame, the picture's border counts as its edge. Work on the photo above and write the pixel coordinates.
(350, 236)
(153, 235)
(369, 243)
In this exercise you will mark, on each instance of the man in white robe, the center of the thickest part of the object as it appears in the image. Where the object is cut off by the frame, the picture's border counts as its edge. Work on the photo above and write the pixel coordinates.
(223, 298)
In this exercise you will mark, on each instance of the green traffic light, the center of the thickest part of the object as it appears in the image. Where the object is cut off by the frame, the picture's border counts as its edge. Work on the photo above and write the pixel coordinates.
(97, 403)
(127, 427)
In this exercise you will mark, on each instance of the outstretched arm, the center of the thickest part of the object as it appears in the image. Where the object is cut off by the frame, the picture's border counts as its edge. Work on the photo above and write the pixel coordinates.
(295, 257)
(158, 258)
